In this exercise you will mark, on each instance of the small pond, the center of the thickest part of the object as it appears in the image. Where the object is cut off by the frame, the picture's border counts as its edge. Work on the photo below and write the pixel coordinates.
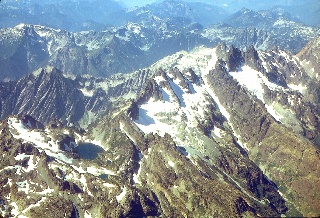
(88, 151)
(104, 176)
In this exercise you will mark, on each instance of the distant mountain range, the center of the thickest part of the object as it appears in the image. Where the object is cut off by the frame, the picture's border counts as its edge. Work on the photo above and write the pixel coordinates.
(98, 14)
(124, 49)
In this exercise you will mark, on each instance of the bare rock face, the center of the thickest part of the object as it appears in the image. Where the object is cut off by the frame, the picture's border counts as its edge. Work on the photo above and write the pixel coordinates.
(234, 59)
(310, 55)
(47, 95)
(251, 58)
(151, 91)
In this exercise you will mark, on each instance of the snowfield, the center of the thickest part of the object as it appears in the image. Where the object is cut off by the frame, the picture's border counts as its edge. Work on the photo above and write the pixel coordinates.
(19, 131)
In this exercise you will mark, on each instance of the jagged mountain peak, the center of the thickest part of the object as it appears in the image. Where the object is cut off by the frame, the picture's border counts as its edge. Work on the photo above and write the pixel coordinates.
(244, 66)
(47, 70)
(310, 56)
(171, 2)
(244, 10)
(260, 19)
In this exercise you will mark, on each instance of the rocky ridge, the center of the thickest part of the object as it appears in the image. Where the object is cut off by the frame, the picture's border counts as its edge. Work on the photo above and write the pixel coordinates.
(48, 94)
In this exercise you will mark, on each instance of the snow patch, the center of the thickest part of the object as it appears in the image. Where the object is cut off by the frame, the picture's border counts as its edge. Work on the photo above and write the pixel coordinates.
(37, 138)
(200, 59)
(83, 181)
(98, 171)
(43, 199)
(217, 132)
(87, 93)
(148, 121)
(273, 112)
(15, 209)
(46, 191)
(171, 163)
(299, 87)
(108, 185)
(136, 176)
(253, 81)
(122, 194)
(125, 132)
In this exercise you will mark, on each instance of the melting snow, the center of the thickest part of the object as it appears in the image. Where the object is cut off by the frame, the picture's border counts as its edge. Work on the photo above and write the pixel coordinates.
(217, 131)
(299, 87)
(108, 185)
(23, 186)
(87, 93)
(222, 109)
(171, 163)
(122, 194)
(83, 181)
(17, 167)
(15, 209)
(273, 112)
(125, 132)
(251, 80)
(31, 164)
(21, 156)
(170, 115)
(51, 148)
(46, 191)
(98, 171)
(43, 199)
(200, 59)
(148, 122)
(136, 176)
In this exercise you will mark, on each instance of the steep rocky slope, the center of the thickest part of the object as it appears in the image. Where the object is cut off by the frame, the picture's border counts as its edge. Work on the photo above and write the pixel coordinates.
(249, 103)
(48, 94)
(310, 56)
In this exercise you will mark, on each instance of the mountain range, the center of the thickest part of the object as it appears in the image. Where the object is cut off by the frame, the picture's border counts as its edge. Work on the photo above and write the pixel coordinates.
(97, 14)
(133, 46)
(199, 139)
(163, 114)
